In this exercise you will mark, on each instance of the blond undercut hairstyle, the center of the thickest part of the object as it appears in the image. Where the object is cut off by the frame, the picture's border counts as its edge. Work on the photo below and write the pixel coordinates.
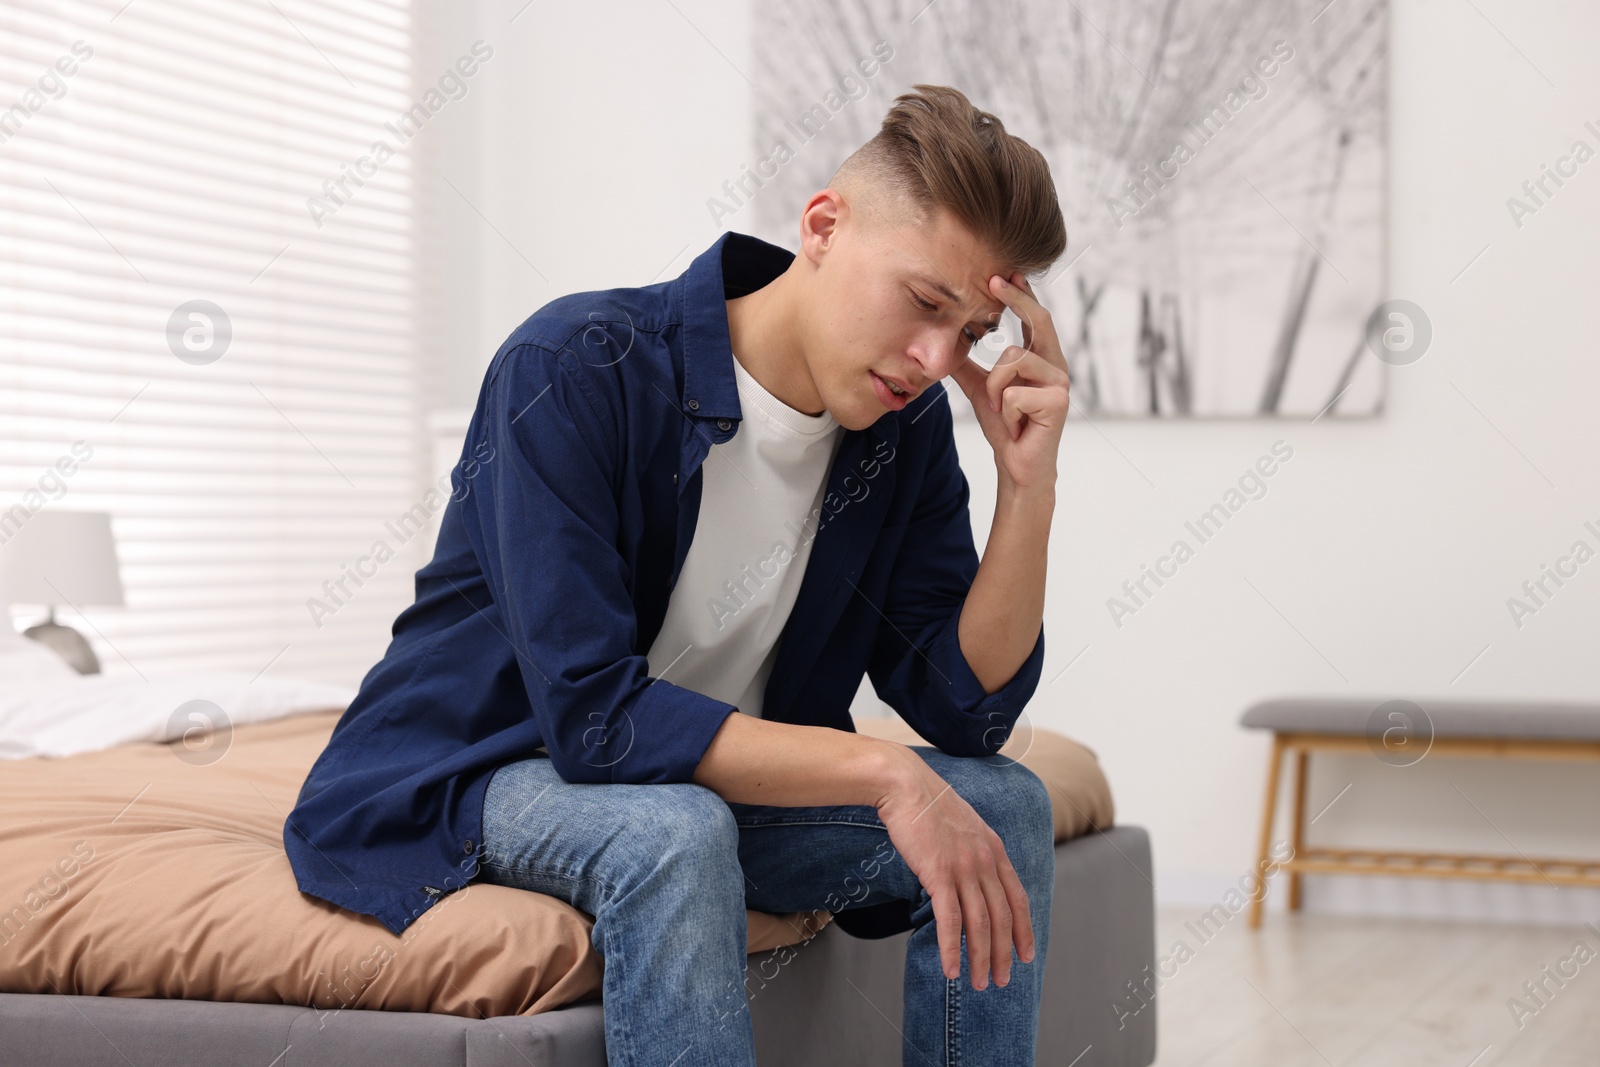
(936, 150)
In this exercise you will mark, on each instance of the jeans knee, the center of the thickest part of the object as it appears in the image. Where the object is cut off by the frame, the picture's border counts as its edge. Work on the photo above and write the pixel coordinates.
(690, 831)
(1018, 807)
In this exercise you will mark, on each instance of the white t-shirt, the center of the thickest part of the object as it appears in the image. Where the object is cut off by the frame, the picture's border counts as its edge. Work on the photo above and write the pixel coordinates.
(760, 502)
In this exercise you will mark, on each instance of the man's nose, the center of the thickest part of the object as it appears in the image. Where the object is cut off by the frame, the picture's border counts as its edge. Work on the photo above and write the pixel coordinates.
(941, 356)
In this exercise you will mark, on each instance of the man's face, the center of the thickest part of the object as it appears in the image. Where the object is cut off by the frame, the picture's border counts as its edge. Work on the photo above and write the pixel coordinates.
(880, 318)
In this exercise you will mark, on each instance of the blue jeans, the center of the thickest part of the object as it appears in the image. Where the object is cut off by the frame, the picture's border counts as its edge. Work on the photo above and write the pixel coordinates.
(667, 870)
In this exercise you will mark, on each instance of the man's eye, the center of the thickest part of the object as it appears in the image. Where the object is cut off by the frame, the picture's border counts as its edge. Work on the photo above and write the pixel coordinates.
(972, 339)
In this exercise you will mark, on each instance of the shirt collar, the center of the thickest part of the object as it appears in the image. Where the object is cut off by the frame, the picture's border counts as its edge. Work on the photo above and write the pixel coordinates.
(734, 265)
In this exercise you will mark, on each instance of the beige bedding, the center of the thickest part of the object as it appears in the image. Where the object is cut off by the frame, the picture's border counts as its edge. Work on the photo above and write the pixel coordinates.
(131, 872)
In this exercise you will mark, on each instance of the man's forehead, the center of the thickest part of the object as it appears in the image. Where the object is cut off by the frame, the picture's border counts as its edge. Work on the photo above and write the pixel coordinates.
(957, 266)
(957, 288)
(937, 252)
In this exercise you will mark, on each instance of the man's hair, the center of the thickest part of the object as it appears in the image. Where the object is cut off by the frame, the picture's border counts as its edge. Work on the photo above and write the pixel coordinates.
(936, 150)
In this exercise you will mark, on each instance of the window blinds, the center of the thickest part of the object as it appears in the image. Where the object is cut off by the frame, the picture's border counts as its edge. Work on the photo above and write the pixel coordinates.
(206, 284)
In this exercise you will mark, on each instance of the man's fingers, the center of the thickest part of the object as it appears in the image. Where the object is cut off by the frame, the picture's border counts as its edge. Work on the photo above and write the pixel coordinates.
(1040, 403)
(970, 375)
(1000, 920)
(980, 931)
(1017, 406)
(1011, 411)
(1005, 372)
(1038, 328)
(1016, 365)
(1021, 914)
(974, 380)
(947, 924)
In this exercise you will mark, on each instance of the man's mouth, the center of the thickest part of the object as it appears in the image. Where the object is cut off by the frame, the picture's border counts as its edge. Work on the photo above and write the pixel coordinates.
(892, 396)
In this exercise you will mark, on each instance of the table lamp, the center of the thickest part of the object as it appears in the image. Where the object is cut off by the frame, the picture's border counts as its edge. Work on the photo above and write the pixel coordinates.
(61, 557)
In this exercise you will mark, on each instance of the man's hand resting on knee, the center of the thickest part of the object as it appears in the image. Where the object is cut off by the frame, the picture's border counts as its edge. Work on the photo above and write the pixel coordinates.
(962, 864)
(958, 859)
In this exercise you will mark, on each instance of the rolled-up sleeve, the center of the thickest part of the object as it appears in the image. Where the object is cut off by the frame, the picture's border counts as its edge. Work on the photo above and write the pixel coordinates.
(545, 522)
(917, 665)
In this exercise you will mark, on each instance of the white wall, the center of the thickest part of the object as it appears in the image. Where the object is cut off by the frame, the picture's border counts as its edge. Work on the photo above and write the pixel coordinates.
(1390, 545)
(581, 160)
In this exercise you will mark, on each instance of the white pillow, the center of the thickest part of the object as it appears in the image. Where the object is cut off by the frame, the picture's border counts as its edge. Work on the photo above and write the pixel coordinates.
(23, 659)
(48, 715)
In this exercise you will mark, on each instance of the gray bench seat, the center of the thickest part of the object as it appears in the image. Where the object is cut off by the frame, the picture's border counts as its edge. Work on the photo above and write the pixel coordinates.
(1519, 719)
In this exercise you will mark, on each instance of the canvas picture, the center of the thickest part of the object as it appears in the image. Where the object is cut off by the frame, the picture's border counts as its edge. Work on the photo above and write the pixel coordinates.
(1220, 164)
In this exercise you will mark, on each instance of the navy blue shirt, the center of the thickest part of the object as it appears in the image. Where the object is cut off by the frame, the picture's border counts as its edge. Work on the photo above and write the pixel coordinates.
(572, 510)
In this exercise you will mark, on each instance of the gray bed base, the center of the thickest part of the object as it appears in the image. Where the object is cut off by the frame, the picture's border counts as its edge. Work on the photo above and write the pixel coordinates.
(1102, 937)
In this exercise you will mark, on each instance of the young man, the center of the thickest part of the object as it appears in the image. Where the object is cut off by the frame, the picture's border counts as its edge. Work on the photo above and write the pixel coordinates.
(689, 518)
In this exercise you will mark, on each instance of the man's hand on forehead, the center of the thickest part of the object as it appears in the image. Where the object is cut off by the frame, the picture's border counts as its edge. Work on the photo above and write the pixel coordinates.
(1021, 403)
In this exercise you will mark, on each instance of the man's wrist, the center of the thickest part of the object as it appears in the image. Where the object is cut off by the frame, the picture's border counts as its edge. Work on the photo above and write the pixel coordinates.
(892, 771)
(1025, 501)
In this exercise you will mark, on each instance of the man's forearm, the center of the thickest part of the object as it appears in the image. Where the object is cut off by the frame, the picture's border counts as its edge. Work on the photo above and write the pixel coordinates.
(755, 761)
(1005, 607)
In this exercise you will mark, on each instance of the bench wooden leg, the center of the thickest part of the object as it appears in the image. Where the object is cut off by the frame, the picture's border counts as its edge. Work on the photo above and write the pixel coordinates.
(1268, 812)
(1302, 758)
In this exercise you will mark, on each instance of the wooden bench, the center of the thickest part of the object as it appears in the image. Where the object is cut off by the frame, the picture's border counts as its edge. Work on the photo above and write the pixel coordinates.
(1401, 733)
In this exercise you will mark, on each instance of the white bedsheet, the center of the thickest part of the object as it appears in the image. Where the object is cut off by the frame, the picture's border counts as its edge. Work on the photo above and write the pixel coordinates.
(49, 709)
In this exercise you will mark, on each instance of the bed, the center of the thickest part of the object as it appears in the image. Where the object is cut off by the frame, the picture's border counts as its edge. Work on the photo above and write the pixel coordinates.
(148, 914)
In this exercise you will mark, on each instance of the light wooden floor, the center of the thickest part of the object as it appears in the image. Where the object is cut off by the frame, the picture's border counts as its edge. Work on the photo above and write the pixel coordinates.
(1330, 991)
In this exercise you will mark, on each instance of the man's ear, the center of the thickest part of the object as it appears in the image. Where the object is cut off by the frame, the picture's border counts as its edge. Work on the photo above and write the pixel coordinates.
(819, 222)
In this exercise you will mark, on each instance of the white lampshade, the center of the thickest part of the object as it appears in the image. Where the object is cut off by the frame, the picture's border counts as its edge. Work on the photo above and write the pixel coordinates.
(60, 558)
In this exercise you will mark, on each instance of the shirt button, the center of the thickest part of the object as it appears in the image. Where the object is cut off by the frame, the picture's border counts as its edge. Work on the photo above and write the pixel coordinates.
(694, 405)
(724, 425)
(467, 847)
